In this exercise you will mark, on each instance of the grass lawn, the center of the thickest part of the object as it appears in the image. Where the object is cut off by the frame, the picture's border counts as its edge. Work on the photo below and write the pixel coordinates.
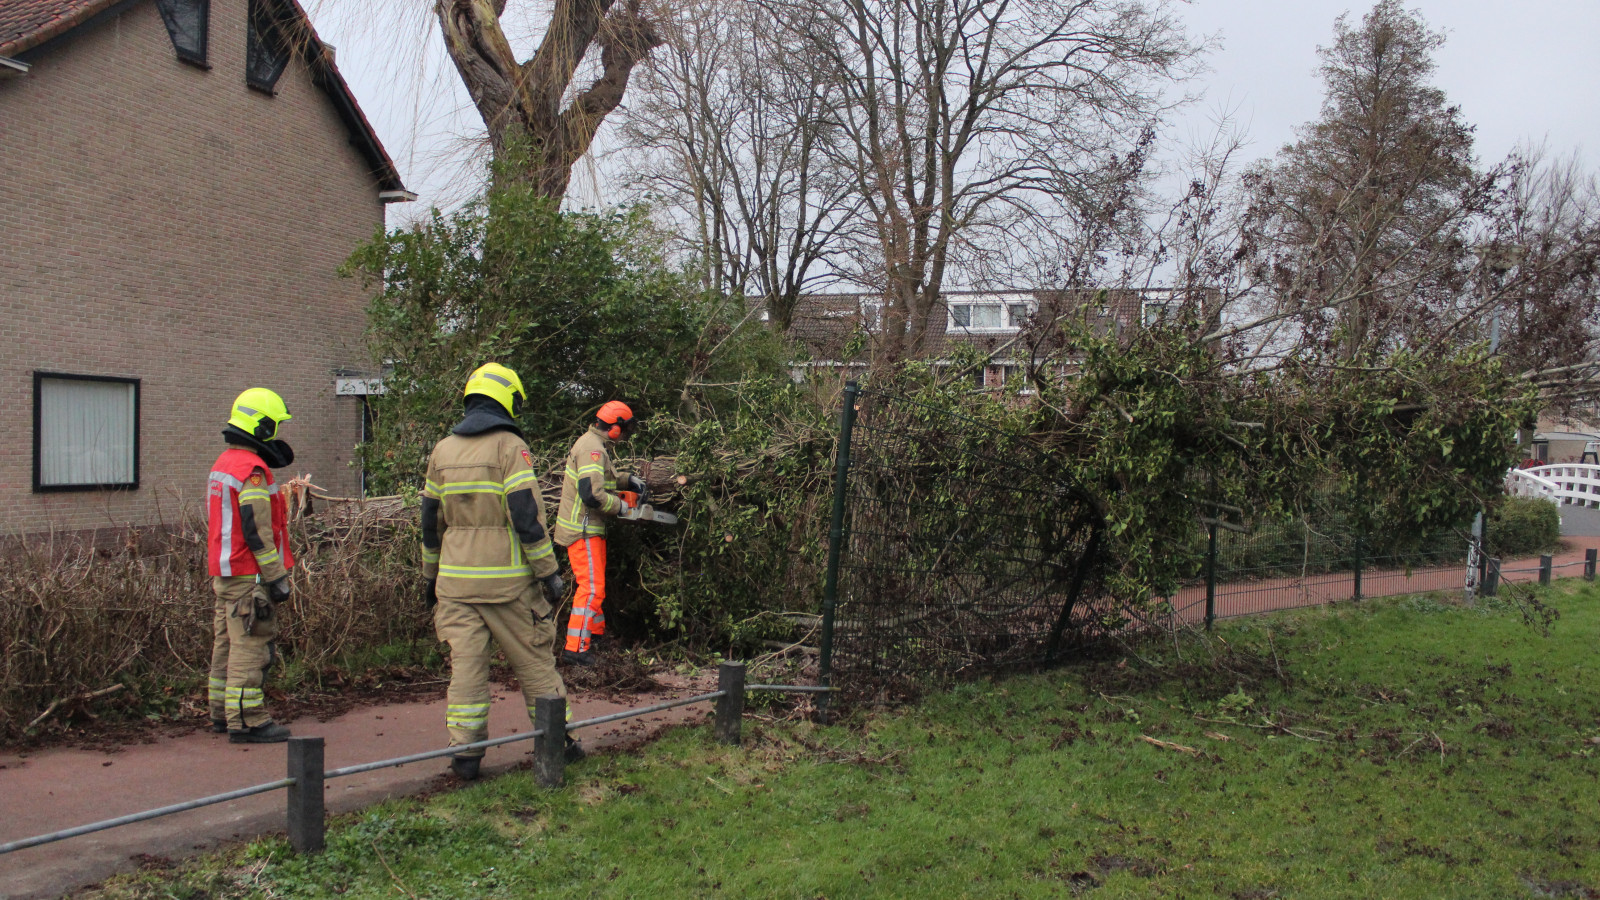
(1401, 748)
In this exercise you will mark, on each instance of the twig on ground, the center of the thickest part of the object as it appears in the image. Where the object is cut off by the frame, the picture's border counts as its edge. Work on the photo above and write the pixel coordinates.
(397, 881)
(1168, 745)
(56, 703)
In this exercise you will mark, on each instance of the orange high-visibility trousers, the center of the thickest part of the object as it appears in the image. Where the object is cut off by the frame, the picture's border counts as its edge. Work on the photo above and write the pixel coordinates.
(588, 557)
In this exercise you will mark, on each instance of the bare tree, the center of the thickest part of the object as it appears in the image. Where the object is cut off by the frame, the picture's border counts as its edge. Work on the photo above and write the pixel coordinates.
(1540, 272)
(973, 130)
(728, 138)
(536, 140)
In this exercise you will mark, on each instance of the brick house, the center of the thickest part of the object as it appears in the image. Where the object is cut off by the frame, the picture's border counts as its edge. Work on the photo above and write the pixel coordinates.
(837, 330)
(181, 180)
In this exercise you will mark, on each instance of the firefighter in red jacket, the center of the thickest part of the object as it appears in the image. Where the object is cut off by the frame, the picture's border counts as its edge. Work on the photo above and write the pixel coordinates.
(249, 559)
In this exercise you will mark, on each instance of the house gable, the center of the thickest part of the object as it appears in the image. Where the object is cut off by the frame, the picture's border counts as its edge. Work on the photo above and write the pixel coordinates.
(30, 29)
(167, 225)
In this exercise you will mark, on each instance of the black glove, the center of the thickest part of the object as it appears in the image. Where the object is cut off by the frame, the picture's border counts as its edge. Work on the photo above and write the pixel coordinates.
(430, 593)
(279, 591)
(637, 485)
(554, 587)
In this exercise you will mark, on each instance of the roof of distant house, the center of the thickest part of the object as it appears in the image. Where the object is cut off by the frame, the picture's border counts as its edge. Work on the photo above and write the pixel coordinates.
(30, 24)
(826, 324)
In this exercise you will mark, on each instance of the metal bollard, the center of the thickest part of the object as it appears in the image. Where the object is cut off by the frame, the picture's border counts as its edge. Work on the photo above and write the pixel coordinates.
(307, 823)
(550, 748)
(730, 706)
(1544, 569)
(1491, 577)
(1588, 563)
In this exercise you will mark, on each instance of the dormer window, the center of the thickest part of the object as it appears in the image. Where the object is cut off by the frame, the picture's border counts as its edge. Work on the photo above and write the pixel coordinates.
(267, 49)
(995, 313)
(186, 22)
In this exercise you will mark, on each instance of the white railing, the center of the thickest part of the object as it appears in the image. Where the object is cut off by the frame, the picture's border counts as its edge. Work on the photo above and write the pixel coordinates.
(1566, 484)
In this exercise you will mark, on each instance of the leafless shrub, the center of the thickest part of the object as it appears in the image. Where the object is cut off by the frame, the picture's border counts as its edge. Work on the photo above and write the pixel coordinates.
(77, 616)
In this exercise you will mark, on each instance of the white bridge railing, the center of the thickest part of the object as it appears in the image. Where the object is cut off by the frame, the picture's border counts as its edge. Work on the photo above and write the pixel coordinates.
(1565, 484)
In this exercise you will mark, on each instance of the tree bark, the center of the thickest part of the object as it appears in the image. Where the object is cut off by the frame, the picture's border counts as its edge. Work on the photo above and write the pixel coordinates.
(534, 140)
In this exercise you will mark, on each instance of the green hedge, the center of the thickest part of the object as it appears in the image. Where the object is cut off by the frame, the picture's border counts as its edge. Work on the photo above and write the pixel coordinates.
(1524, 526)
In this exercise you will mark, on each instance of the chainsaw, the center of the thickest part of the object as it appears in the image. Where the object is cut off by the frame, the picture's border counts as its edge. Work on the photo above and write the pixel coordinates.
(640, 510)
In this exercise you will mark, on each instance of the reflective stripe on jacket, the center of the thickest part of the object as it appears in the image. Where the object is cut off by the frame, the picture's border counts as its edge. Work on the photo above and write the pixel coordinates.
(480, 558)
(240, 493)
(589, 458)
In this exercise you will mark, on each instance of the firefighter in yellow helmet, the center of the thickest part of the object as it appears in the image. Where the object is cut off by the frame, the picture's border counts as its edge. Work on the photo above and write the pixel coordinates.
(247, 553)
(490, 569)
(588, 495)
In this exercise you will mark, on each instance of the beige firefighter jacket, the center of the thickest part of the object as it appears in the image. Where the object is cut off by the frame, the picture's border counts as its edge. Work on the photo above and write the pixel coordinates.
(255, 495)
(480, 557)
(589, 458)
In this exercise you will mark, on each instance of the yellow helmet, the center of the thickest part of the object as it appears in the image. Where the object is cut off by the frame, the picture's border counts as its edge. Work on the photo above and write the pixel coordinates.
(258, 412)
(500, 384)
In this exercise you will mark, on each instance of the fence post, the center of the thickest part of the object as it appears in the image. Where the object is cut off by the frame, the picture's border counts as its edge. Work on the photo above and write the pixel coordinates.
(550, 748)
(1491, 579)
(1544, 568)
(307, 825)
(830, 583)
(1211, 574)
(1588, 563)
(730, 706)
(1360, 551)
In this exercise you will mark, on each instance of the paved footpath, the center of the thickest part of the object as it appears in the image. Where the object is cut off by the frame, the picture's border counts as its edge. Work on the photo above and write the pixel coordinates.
(60, 788)
(1265, 595)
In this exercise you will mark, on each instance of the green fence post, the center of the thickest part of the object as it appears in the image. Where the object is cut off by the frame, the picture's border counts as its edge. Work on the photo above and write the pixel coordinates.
(1358, 561)
(830, 583)
(1491, 578)
(1588, 563)
(1545, 564)
(1211, 575)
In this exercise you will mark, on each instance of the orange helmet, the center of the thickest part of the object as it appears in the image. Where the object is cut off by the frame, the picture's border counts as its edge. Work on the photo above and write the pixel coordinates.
(616, 418)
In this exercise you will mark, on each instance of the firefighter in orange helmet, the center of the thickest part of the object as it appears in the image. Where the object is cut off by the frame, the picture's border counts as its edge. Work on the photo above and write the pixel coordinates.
(589, 496)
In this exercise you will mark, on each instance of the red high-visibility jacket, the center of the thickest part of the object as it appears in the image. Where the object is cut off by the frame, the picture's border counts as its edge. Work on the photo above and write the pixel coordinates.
(227, 553)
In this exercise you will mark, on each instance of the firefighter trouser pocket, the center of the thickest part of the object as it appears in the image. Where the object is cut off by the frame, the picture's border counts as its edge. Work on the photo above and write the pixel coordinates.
(260, 619)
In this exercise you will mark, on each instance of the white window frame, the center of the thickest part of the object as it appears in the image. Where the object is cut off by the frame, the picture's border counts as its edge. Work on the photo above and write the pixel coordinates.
(39, 450)
(1010, 323)
(1166, 307)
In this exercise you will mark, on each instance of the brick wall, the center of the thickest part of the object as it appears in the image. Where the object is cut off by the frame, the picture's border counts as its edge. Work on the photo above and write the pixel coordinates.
(166, 222)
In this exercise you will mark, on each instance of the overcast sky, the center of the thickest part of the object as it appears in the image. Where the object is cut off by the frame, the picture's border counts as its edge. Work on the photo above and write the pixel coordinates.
(1521, 71)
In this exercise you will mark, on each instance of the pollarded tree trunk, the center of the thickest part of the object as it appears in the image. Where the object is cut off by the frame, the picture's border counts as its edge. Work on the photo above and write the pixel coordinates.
(521, 102)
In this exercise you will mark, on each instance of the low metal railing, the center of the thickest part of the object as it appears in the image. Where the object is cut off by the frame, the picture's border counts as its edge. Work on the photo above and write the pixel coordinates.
(306, 814)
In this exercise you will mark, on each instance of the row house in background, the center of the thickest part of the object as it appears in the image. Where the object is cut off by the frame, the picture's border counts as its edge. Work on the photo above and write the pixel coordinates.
(182, 179)
(837, 330)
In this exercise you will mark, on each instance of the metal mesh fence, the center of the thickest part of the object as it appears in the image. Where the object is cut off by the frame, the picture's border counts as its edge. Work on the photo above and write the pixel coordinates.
(960, 549)
(1285, 565)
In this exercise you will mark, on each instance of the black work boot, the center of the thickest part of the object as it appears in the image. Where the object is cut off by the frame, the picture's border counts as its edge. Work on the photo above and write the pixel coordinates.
(466, 767)
(573, 751)
(265, 733)
(578, 657)
(219, 726)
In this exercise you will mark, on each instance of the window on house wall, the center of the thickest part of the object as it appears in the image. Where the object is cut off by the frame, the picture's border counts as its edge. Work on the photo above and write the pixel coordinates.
(267, 48)
(988, 315)
(1158, 311)
(85, 432)
(186, 22)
